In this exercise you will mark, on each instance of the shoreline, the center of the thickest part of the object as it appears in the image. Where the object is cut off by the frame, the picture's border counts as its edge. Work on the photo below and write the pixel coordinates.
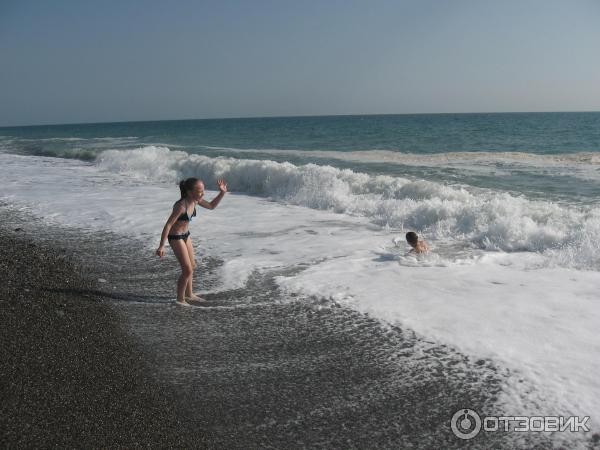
(101, 368)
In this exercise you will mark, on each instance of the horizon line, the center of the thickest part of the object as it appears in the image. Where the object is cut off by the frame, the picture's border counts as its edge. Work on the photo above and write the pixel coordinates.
(291, 117)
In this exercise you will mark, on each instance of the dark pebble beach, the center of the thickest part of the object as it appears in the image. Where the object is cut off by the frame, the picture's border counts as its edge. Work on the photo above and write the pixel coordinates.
(70, 376)
(97, 364)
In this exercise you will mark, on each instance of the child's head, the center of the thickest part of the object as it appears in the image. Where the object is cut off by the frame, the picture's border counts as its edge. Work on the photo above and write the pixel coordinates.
(412, 238)
(191, 187)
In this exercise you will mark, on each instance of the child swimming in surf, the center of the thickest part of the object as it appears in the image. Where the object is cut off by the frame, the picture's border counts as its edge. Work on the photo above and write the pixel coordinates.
(418, 246)
(176, 230)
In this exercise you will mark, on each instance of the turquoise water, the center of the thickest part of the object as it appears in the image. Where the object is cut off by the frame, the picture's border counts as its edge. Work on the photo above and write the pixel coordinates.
(541, 155)
(542, 133)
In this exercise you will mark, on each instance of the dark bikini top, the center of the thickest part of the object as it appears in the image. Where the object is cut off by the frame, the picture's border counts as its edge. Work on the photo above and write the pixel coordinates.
(184, 216)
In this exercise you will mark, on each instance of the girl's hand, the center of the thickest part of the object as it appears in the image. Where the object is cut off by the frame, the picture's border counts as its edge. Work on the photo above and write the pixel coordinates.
(222, 185)
(160, 252)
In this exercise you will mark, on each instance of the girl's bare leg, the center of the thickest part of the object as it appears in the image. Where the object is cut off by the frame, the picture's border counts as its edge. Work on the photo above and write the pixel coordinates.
(189, 293)
(181, 252)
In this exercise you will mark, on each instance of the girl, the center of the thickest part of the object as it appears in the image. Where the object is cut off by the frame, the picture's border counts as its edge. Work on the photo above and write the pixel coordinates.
(176, 230)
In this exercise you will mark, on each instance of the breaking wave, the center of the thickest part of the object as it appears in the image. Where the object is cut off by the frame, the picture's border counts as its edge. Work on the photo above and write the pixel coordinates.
(486, 218)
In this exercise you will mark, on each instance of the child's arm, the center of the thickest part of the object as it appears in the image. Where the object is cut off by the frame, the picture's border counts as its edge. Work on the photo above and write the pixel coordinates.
(177, 211)
(215, 201)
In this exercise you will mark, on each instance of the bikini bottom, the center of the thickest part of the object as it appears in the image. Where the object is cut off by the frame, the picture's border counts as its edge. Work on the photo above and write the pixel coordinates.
(176, 237)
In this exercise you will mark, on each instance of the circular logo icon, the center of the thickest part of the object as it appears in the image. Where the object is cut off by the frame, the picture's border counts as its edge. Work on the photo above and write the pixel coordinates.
(465, 424)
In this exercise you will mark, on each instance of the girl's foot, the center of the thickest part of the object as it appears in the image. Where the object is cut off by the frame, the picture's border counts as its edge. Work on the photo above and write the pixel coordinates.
(182, 303)
(195, 298)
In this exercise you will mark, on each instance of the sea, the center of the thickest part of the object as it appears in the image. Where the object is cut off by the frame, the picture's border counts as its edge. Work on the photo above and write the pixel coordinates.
(508, 202)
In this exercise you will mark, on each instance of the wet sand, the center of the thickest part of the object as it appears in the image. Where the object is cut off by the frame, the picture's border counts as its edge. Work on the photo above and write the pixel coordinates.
(95, 354)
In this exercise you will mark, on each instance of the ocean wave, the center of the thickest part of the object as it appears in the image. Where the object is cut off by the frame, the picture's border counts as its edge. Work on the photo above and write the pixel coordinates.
(67, 153)
(85, 149)
(488, 219)
(52, 139)
(441, 159)
(77, 139)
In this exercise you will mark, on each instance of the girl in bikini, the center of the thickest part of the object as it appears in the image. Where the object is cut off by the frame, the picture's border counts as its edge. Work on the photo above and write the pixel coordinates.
(176, 230)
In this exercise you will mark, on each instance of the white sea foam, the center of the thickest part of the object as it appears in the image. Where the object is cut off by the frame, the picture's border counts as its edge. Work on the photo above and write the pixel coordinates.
(519, 308)
(540, 323)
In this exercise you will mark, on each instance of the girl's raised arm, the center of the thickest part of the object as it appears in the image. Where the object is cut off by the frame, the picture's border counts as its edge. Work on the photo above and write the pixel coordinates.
(215, 201)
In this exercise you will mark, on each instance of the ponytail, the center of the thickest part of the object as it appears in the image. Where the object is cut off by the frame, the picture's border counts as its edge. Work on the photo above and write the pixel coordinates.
(182, 188)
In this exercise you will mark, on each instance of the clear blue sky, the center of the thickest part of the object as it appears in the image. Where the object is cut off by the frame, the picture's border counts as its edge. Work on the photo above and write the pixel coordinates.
(96, 61)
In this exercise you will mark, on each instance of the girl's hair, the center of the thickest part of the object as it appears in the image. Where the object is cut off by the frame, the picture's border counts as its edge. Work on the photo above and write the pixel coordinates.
(187, 185)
